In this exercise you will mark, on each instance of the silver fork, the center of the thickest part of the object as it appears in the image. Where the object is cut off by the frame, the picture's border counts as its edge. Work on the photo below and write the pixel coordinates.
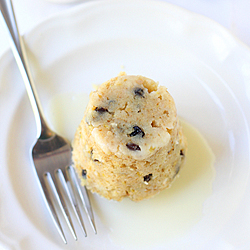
(51, 154)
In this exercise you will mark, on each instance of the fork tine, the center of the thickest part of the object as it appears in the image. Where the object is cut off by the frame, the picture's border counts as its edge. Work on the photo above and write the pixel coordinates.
(82, 194)
(77, 209)
(65, 200)
(66, 195)
(52, 210)
(87, 206)
(57, 203)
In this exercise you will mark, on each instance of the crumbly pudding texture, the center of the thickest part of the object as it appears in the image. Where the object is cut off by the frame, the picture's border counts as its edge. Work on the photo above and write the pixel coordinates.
(129, 142)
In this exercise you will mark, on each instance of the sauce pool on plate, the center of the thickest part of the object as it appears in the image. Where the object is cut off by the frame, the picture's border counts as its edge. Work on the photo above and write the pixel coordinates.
(158, 220)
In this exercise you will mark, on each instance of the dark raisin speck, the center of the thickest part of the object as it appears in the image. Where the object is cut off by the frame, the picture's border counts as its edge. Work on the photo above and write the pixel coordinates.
(139, 92)
(137, 131)
(181, 153)
(84, 173)
(91, 154)
(147, 178)
(133, 146)
(101, 110)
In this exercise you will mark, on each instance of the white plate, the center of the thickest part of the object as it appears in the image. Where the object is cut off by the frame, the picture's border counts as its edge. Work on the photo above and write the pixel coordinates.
(63, 1)
(205, 69)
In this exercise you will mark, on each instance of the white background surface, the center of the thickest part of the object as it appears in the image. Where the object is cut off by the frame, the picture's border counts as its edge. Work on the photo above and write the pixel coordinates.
(232, 14)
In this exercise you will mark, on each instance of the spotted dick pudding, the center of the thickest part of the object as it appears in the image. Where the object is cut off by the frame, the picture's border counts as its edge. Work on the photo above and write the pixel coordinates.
(129, 142)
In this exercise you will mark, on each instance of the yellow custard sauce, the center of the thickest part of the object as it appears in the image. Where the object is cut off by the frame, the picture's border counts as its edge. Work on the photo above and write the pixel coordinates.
(166, 217)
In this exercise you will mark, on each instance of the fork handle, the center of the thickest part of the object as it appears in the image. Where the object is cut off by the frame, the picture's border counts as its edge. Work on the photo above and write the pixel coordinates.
(18, 49)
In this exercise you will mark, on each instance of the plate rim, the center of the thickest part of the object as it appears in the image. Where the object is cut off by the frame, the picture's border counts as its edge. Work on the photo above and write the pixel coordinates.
(75, 9)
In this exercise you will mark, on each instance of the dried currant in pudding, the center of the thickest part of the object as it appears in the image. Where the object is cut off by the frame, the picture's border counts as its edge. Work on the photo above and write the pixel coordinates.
(137, 131)
(84, 173)
(133, 146)
(139, 92)
(100, 110)
(147, 178)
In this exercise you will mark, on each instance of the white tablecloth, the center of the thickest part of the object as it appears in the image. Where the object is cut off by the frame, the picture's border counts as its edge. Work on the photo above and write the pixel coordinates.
(232, 14)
